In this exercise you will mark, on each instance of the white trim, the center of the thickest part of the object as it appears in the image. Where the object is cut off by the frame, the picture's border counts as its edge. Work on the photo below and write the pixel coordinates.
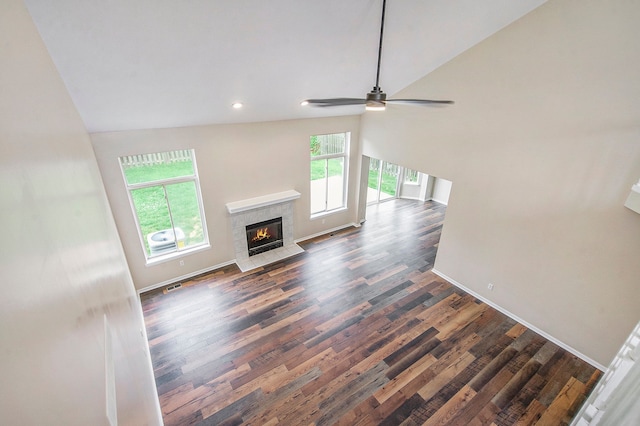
(440, 202)
(185, 277)
(325, 213)
(262, 201)
(521, 321)
(612, 400)
(149, 260)
(156, 260)
(147, 352)
(404, 197)
(110, 375)
(344, 156)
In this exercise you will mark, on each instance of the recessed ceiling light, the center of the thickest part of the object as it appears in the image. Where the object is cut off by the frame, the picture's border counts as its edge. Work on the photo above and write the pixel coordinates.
(237, 105)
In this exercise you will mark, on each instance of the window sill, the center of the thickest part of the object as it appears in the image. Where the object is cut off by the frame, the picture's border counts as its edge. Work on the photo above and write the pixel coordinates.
(328, 213)
(176, 255)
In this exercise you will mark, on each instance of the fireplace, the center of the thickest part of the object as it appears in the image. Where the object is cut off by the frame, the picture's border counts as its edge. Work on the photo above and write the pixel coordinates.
(264, 236)
(255, 213)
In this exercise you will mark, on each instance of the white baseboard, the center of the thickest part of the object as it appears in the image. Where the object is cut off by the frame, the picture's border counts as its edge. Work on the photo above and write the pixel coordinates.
(186, 276)
(521, 321)
(328, 231)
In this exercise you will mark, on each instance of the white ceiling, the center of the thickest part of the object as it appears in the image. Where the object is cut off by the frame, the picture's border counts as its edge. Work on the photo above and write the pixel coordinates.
(136, 64)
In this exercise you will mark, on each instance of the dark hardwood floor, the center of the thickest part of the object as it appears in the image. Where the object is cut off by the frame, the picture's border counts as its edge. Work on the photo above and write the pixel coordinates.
(355, 331)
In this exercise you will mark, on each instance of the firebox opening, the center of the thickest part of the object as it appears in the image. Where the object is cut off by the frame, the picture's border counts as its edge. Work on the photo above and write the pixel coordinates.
(264, 236)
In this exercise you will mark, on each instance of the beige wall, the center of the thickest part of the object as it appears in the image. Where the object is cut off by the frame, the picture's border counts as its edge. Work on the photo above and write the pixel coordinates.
(235, 162)
(542, 146)
(61, 264)
(441, 190)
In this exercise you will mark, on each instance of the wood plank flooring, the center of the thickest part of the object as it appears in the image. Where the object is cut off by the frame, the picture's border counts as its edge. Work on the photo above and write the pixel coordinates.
(355, 331)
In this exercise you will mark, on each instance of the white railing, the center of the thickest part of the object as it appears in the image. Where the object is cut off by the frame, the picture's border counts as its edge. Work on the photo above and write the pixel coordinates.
(614, 400)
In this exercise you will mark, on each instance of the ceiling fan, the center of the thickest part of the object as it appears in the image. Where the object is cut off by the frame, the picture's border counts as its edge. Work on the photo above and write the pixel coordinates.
(376, 99)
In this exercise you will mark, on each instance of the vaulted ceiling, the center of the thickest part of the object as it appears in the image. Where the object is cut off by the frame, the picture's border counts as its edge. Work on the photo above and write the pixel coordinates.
(136, 64)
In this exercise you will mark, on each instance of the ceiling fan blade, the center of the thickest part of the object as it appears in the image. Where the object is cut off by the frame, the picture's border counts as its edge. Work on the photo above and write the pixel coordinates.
(420, 101)
(334, 102)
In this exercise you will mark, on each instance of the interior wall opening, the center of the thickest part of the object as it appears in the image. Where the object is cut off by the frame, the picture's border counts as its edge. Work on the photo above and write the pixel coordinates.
(385, 181)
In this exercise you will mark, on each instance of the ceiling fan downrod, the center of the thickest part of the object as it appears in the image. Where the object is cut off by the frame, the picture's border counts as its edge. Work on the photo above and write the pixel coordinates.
(376, 99)
(376, 88)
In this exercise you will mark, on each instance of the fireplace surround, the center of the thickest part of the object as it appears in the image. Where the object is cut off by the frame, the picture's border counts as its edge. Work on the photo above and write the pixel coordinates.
(263, 210)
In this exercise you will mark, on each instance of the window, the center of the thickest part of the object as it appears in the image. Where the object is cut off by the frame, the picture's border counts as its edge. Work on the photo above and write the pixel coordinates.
(329, 161)
(164, 192)
(386, 180)
(383, 180)
(411, 177)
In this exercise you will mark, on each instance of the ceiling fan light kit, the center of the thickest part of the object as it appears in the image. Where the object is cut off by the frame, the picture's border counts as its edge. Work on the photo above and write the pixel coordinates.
(376, 100)
(375, 107)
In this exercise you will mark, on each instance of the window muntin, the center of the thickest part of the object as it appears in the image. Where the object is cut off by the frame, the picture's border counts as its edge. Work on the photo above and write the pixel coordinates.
(329, 160)
(165, 197)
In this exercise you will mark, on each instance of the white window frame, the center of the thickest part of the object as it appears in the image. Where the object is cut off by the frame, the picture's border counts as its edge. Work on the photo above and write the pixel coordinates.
(345, 175)
(179, 252)
(404, 177)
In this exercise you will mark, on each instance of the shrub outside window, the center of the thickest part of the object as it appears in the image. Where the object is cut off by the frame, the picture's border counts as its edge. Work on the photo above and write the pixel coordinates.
(164, 192)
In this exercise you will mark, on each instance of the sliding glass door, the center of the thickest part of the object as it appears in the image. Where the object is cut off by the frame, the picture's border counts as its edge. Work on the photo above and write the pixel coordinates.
(383, 180)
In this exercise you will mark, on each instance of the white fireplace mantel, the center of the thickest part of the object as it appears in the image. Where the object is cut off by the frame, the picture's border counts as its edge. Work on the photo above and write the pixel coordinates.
(258, 209)
(262, 201)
